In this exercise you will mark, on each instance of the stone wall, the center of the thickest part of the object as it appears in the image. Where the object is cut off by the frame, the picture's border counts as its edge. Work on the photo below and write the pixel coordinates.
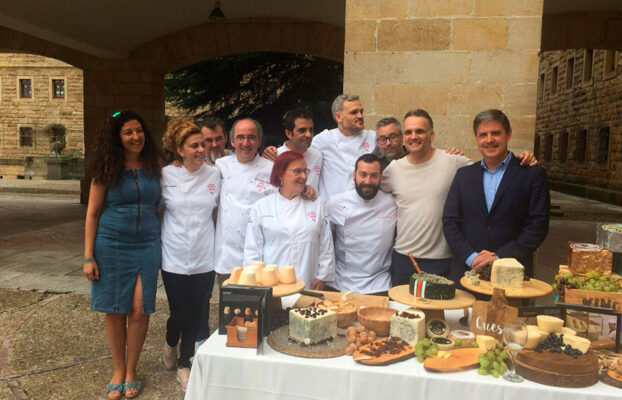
(577, 105)
(453, 58)
(37, 112)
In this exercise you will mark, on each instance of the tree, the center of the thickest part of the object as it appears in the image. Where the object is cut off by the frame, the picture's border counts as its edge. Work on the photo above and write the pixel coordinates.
(262, 86)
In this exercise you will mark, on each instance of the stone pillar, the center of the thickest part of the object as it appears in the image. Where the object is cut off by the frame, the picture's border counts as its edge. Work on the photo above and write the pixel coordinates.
(452, 58)
(114, 86)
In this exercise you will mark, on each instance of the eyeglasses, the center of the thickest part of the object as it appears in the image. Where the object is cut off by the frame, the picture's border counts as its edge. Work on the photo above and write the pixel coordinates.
(241, 138)
(392, 138)
(300, 171)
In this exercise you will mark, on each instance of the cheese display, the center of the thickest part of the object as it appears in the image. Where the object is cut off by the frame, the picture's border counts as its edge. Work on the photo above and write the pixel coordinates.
(311, 325)
(267, 277)
(287, 274)
(433, 287)
(409, 325)
(248, 277)
(235, 274)
(534, 336)
(485, 342)
(586, 257)
(577, 342)
(507, 273)
(549, 324)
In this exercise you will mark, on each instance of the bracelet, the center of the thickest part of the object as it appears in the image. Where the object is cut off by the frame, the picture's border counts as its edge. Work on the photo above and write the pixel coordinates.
(88, 260)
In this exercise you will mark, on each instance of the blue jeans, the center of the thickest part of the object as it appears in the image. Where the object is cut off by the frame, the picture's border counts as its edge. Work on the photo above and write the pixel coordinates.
(402, 268)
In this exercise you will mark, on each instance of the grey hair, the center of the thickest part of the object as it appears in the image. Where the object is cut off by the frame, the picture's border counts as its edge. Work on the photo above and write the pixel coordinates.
(338, 102)
(420, 113)
(388, 121)
(257, 125)
(491, 114)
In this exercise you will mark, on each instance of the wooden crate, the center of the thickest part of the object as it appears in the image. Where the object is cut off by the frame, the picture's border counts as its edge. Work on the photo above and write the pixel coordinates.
(594, 298)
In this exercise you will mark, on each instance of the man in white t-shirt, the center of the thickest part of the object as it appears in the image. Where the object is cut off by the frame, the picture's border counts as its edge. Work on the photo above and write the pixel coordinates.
(298, 124)
(364, 222)
(419, 183)
(342, 146)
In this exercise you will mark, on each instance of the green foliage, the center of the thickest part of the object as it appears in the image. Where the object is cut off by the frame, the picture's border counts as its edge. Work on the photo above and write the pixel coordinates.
(258, 85)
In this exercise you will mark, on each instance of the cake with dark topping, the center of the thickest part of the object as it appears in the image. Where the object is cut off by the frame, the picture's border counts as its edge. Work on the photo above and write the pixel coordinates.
(311, 325)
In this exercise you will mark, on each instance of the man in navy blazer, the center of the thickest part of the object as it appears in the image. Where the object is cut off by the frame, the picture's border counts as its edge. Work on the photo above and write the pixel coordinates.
(495, 208)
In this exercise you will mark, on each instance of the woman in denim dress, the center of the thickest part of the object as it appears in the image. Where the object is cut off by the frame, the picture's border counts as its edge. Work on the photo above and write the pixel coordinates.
(122, 241)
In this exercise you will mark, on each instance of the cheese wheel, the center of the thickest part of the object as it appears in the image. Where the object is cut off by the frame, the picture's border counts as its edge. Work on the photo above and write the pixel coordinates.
(578, 342)
(485, 342)
(268, 277)
(533, 337)
(235, 275)
(287, 274)
(550, 324)
(248, 277)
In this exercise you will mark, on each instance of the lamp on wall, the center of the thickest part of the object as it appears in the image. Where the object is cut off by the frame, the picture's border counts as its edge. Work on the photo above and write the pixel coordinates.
(216, 14)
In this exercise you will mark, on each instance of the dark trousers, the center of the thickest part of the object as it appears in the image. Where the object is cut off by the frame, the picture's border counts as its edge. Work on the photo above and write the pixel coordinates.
(187, 296)
(402, 268)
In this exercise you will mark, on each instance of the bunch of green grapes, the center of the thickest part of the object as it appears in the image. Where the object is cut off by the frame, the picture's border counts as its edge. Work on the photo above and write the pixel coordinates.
(493, 361)
(593, 281)
(424, 349)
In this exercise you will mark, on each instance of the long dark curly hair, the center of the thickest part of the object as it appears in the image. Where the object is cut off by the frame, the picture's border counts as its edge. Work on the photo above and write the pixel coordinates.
(107, 155)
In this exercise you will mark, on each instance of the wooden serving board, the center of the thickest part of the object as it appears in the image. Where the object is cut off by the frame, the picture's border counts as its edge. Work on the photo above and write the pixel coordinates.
(359, 300)
(283, 289)
(558, 369)
(531, 288)
(384, 359)
(459, 360)
(279, 341)
(402, 294)
(610, 378)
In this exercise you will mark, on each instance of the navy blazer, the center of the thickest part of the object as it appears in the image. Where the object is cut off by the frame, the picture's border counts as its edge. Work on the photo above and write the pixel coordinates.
(516, 225)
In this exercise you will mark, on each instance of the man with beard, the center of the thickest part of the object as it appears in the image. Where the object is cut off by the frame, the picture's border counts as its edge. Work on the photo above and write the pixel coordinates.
(364, 220)
(495, 208)
(419, 183)
(298, 124)
(389, 141)
(213, 131)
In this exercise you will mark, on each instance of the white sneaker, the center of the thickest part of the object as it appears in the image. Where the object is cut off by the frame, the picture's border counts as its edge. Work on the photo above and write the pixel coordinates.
(183, 375)
(169, 356)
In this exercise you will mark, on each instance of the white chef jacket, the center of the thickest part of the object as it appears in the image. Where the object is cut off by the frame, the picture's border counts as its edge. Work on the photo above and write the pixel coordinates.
(291, 232)
(364, 233)
(242, 186)
(339, 154)
(313, 158)
(187, 225)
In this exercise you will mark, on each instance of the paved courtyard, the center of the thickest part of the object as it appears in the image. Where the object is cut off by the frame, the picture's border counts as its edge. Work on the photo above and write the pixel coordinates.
(53, 346)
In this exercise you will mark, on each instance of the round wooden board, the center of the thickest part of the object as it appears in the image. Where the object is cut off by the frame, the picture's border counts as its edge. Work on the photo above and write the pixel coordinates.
(606, 377)
(283, 289)
(531, 288)
(402, 295)
(279, 341)
(558, 369)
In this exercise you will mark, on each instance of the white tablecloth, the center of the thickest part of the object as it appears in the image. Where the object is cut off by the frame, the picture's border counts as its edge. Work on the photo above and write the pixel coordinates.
(221, 372)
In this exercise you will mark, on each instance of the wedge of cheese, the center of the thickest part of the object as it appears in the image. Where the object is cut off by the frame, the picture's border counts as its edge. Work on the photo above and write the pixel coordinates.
(550, 324)
(578, 342)
(507, 273)
(533, 337)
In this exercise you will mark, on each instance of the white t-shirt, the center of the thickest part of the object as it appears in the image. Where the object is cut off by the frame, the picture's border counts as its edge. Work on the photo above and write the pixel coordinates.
(187, 225)
(420, 191)
(313, 158)
(364, 232)
(242, 186)
(339, 154)
(291, 232)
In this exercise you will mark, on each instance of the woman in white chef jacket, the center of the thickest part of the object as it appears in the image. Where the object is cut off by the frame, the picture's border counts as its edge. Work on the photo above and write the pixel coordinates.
(285, 229)
(190, 195)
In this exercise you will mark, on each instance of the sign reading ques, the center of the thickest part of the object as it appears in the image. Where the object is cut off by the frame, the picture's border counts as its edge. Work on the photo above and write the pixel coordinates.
(489, 317)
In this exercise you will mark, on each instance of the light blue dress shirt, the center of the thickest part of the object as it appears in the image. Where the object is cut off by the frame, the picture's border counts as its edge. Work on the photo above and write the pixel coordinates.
(492, 179)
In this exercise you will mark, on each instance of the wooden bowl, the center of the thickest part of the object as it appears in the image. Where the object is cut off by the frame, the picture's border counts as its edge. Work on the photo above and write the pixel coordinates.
(376, 319)
(345, 319)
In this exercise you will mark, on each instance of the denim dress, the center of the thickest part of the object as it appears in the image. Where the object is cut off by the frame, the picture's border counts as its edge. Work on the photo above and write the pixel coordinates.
(128, 243)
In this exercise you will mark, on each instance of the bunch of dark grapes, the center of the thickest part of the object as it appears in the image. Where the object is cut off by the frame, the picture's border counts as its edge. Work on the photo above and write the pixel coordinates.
(555, 344)
(484, 272)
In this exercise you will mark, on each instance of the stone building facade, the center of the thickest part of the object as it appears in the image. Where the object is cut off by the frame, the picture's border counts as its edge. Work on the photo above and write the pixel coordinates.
(39, 97)
(579, 122)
